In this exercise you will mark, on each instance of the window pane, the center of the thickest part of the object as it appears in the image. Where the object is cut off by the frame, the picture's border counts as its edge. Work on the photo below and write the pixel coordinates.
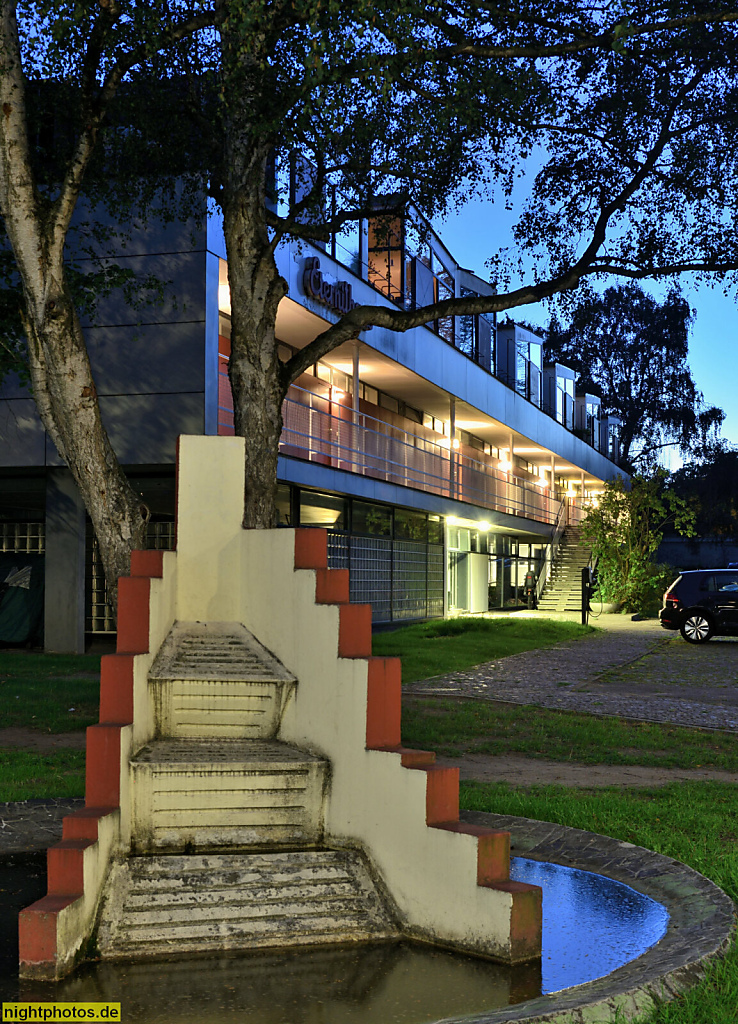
(326, 510)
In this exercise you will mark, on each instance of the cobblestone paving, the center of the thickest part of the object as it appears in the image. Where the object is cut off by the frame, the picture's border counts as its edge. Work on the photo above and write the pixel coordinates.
(631, 670)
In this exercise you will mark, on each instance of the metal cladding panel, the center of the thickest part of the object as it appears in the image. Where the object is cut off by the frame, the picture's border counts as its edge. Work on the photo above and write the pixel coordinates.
(181, 277)
(147, 360)
(22, 437)
(144, 428)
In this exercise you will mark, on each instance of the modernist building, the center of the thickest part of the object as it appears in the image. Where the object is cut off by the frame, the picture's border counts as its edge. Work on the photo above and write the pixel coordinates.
(443, 461)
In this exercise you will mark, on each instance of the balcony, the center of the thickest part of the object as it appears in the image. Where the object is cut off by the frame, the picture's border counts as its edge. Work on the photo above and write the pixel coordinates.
(326, 432)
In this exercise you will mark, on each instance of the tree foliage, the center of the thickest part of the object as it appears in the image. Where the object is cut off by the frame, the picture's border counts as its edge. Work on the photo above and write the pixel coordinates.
(711, 483)
(625, 529)
(632, 350)
(384, 100)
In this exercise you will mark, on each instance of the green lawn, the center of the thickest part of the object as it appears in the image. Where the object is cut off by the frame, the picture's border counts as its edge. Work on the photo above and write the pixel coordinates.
(691, 822)
(448, 645)
(455, 727)
(49, 692)
(27, 774)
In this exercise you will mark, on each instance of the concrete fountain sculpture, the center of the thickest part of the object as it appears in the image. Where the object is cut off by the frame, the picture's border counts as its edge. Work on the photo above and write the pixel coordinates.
(246, 786)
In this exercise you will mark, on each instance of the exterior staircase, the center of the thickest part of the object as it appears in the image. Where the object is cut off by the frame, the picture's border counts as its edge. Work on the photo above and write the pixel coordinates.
(227, 822)
(563, 590)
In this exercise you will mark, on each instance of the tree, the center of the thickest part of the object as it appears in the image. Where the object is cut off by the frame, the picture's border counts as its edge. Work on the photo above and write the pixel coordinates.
(90, 49)
(632, 350)
(384, 98)
(625, 528)
(711, 483)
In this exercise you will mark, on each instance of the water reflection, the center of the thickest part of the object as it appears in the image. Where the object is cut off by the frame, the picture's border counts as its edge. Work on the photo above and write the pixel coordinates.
(387, 984)
(591, 926)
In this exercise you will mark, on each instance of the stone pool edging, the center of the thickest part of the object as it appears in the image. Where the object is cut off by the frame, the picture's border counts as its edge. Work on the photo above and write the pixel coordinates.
(702, 923)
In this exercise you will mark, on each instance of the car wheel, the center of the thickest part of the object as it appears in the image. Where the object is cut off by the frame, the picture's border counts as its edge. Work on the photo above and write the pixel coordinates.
(696, 628)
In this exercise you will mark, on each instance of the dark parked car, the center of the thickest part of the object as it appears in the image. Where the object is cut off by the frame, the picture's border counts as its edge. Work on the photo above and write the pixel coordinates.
(702, 604)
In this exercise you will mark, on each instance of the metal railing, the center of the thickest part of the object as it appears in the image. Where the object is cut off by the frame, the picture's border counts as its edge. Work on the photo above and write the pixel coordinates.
(329, 433)
(551, 551)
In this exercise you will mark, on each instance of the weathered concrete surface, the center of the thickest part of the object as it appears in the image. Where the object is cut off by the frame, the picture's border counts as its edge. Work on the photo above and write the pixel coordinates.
(212, 902)
(216, 679)
(208, 793)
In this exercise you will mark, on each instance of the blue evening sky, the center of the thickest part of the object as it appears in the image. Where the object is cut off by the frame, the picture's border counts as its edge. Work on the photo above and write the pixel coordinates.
(481, 228)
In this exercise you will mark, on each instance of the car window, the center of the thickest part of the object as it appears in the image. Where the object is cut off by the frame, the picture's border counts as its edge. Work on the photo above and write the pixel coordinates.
(708, 583)
(727, 582)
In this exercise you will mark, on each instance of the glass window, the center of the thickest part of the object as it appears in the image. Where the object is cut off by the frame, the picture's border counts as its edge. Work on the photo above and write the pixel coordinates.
(375, 520)
(435, 530)
(284, 505)
(410, 525)
(327, 510)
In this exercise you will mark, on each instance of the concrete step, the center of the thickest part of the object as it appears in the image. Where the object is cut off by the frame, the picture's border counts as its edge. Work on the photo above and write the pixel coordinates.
(216, 680)
(190, 904)
(195, 794)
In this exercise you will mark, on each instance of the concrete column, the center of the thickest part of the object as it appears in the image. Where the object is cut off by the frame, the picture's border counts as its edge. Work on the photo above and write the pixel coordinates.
(581, 491)
(64, 598)
(355, 384)
(452, 452)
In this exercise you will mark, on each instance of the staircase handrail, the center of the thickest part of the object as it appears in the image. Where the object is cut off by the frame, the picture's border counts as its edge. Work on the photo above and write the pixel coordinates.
(551, 550)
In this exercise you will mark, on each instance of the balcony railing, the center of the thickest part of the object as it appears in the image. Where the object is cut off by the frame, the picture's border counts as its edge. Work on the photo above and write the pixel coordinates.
(328, 433)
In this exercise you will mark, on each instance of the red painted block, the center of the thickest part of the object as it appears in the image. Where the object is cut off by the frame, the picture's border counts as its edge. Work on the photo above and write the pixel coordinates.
(311, 548)
(84, 823)
(355, 631)
(441, 794)
(526, 921)
(116, 688)
(147, 563)
(133, 614)
(383, 703)
(332, 586)
(65, 861)
(102, 774)
(37, 929)
(493, 851)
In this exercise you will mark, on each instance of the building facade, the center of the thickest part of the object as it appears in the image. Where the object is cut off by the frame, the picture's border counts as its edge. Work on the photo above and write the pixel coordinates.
(444, 461)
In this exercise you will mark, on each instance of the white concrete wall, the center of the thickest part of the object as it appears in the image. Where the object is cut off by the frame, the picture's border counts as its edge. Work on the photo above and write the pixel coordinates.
(225, 573)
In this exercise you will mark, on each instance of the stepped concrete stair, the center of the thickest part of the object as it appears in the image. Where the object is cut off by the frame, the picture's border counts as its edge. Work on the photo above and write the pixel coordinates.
(192, 904)
(216, 679)
(214, 793)
(563, 590)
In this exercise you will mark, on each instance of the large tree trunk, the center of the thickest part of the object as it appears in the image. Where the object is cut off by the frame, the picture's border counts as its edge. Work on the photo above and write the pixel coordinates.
(66, 398)
(256, 291)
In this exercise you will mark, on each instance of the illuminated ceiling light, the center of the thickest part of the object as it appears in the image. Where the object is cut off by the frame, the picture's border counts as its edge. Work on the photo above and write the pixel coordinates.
(571, 494)
(224, 298)
(541, 482)
(505, 465)
(337, 394)
(455, 443)
(453, 521)
(484, 526)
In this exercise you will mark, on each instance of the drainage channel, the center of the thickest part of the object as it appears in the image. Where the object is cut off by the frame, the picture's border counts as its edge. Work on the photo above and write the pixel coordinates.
(592, 926)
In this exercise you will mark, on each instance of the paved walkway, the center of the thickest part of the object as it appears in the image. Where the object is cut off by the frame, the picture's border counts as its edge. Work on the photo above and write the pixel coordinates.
(628, 669)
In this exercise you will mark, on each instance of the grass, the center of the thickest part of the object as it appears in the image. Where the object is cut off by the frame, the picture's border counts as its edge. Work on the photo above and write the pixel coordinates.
(49, 692)
(453, 728)
(691, 822)
(450, 645)
(27, 775)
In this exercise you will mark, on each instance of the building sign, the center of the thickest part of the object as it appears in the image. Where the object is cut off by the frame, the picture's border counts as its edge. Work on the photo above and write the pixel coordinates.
(337, 296)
